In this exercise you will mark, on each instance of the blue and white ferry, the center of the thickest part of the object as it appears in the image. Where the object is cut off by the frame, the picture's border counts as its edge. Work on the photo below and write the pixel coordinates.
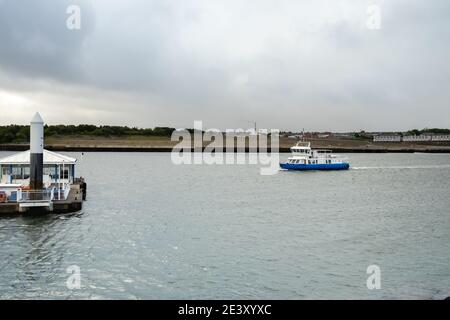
(304, 158)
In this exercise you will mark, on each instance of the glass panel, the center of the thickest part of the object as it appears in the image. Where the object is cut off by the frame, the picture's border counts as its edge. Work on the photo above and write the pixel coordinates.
(16, 172)
(26, 172)
(64, 173)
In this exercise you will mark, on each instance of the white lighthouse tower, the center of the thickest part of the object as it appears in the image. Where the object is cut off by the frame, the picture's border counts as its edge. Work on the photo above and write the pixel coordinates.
(36, 152)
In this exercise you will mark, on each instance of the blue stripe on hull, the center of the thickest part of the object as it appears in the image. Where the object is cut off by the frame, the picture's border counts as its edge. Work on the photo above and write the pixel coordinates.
(304, 167)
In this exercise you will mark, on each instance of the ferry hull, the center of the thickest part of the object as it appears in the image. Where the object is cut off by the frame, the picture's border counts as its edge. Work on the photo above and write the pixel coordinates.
(306, 167)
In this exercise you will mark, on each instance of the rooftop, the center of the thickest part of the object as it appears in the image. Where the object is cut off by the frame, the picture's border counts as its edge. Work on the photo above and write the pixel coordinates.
(49, 158)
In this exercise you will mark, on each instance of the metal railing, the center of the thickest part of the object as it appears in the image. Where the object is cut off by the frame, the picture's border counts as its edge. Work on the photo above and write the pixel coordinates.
(20, 195)
(29, 196)
(62, 193)
(66, 191)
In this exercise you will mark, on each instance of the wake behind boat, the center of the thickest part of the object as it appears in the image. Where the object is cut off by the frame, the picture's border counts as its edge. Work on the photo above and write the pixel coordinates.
(304, 158)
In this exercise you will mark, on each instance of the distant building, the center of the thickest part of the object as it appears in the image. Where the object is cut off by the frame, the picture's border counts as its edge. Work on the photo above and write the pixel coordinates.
(344, 135)
(414, 138)
(441, 137)
(411, 138)
(387, 138)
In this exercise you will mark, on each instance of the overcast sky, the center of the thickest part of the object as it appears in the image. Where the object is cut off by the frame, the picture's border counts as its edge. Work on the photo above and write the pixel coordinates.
(287, 64)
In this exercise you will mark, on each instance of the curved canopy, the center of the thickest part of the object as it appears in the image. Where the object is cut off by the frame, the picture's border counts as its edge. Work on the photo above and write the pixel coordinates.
(49, 158)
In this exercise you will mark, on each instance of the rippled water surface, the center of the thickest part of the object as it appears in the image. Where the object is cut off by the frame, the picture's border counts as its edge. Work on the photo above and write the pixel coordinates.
(153, 230)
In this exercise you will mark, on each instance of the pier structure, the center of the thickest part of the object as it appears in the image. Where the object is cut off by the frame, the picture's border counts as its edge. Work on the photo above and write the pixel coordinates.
(39, 180)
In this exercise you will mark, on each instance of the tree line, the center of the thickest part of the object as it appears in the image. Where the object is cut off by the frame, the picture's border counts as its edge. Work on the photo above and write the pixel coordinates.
(19, 133)
(428, 131)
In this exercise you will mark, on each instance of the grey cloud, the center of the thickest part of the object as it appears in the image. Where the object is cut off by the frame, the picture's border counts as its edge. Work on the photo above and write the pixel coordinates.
(286, 64)
(35, 41)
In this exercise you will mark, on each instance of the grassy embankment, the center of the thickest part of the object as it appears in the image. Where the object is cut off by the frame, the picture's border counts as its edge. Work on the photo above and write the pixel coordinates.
(165, 142)
(111, 138)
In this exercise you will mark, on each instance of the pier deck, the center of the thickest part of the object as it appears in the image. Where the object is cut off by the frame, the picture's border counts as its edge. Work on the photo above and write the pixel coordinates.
(73, 203)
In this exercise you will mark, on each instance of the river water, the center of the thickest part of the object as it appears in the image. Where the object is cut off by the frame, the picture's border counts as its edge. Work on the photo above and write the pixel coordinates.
(154, 230)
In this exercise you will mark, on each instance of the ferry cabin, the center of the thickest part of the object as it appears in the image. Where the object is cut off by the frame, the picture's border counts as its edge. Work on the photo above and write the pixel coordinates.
(314, 157)
(302, 154)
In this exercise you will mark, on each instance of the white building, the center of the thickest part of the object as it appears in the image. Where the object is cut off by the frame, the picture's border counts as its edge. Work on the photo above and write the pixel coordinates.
(414, 138)
(387, 138)
(411, 138)
(58, 169)
(441, 137)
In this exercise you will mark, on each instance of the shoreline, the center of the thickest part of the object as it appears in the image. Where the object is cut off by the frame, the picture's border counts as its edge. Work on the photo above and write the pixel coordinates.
(95, 148)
